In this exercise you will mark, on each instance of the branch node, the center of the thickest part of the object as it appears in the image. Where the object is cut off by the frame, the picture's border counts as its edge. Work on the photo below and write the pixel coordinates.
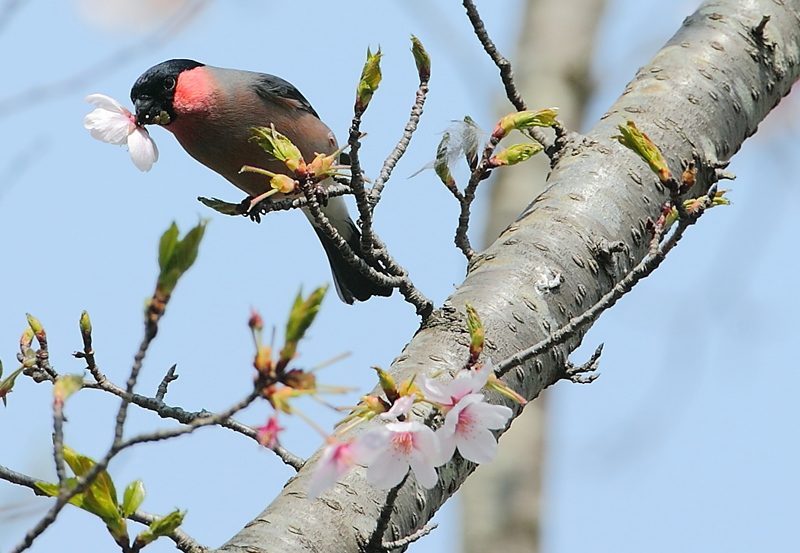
(578, 373)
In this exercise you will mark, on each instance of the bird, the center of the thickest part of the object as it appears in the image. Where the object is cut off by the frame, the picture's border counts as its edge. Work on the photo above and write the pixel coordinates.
(211, 111)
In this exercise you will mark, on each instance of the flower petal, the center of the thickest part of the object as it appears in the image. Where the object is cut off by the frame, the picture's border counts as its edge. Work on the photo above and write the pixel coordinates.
(401, 406)
(447, 446)
(369, 445)
(143, 150)
(388, 469)
(109, 126)
(491, 416)
(480, 446)
(107, 103)
(423, 469)
(336, 461)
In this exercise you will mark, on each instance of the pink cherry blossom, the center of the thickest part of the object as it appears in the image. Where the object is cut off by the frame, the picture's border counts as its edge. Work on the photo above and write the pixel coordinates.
(339, 457)
(467, 381)
(401, 406)
(407, 444)
(467, 427)
(268, 434)
(111, 122)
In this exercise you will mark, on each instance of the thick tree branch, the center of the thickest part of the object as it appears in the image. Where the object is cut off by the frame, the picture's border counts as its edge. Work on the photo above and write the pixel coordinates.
(699, 98)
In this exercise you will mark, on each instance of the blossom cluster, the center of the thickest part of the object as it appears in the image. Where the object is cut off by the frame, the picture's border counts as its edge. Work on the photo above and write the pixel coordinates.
(389, 450)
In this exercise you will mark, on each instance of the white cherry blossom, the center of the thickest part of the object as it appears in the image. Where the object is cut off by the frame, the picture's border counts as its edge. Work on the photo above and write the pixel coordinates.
(467, 426)
(467, 381)
(406, 444)
(111, 122)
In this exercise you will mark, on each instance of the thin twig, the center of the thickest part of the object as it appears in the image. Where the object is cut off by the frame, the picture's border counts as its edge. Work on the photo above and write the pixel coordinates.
(211, 420)
(402, 145)
(58, 443)
(166, 411)
(506, 72)
(162, 388)
(480, 173)
(375, 543)
(357, 186)
(344, 248)
(267, 206)
(151, 329)
(411, 538)
(21, 480)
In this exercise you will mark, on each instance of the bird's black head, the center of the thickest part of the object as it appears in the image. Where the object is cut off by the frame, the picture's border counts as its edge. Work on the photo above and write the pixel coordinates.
(153, 92)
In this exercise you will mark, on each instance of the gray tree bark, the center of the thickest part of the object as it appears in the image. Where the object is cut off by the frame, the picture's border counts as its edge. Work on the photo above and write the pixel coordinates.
(701, 96)
(501, 503)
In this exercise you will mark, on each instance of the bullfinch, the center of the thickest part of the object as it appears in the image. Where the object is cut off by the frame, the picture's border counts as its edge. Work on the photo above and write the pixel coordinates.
(211, 110)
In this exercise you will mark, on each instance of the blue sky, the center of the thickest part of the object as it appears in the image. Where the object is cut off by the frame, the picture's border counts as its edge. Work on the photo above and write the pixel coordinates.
(688, 441)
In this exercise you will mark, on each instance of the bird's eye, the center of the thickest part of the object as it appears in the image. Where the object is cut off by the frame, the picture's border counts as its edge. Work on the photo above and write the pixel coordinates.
(169, 83)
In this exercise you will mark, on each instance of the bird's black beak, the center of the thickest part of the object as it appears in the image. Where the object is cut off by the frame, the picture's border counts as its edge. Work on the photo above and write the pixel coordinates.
(149, 112)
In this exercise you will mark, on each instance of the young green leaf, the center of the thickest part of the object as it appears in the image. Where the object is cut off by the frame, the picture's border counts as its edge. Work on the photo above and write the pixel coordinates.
(634, 139)
(516, 154)
(66, 385)
(8, 384)
(522, 120)
(278, 146)
(476, 333)
(370, 79)
(176, 256)
(300, 318)
(160, 527)
(133, 497)
(226, 208)
(421, 58)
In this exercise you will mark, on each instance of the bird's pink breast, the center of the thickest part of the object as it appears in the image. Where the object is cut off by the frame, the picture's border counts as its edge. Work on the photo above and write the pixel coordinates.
(194, 92)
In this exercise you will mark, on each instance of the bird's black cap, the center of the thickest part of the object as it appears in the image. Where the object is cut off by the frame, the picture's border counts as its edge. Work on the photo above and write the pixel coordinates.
(154, 91)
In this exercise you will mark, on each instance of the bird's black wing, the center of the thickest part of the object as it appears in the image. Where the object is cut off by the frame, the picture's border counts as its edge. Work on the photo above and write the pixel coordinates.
(275, 89)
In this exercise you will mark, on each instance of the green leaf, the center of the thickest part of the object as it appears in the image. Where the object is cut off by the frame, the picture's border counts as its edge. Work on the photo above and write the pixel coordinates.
(226, 208)
(161, 527)
(278, 146)
(476, 332)
(48, 488)
(370, 79)
(516, 154)
(85, 323)
(528, 119)
(167, 244)
(175, 256)
(34, 323)
(79, 464)
(8, 384)
(102, 488)
(134, 495)
(66, 385)
(441, 164)
(634, 139)
(300, 318)
(421, 58)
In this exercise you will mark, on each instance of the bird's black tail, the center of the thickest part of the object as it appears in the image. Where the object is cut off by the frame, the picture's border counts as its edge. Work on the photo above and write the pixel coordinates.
(350, 284)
